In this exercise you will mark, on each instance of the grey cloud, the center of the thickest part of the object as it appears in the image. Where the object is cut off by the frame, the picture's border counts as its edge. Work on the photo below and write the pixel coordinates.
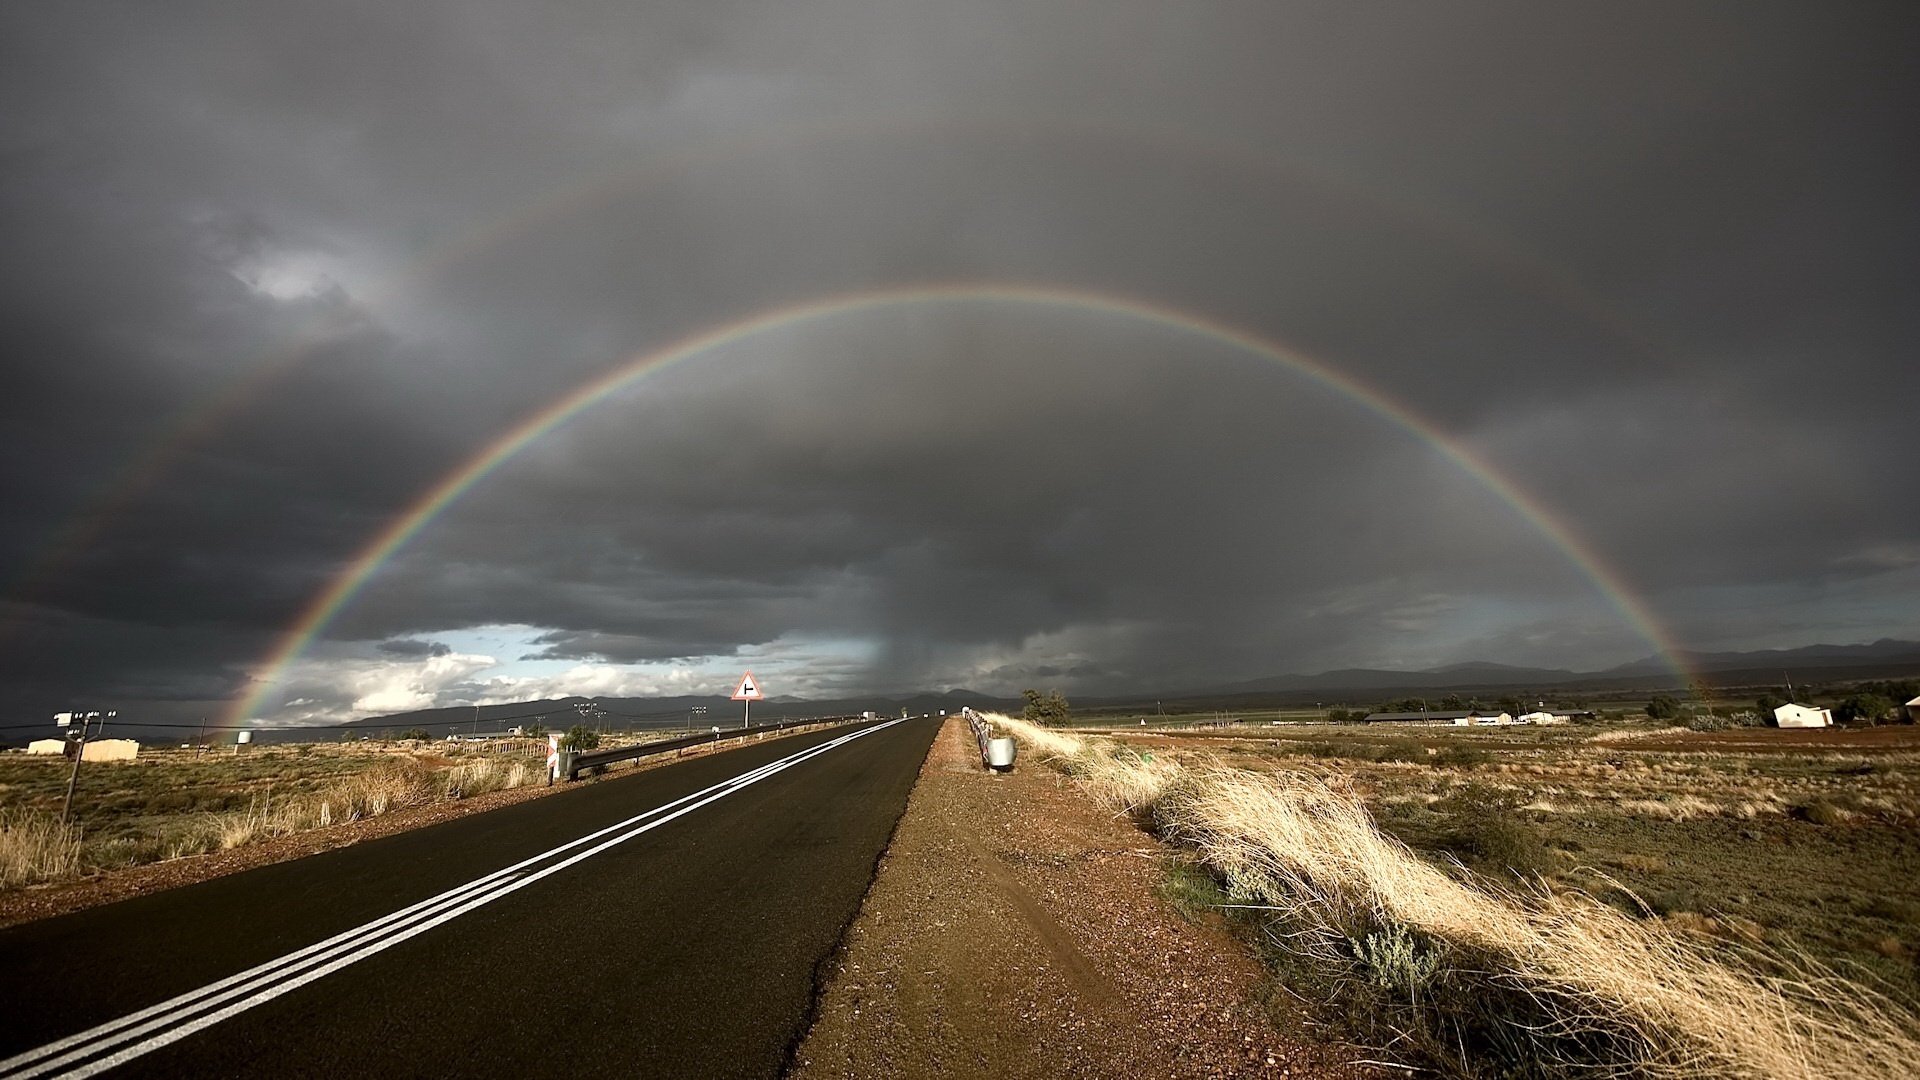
(1650, 262)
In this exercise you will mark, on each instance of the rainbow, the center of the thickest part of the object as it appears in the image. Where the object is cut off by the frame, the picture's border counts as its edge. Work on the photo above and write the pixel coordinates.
(174, 440)
(324, 607)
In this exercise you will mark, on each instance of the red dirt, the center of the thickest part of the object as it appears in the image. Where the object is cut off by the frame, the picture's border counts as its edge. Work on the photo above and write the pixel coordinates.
(1787, 740)
(1014, 930)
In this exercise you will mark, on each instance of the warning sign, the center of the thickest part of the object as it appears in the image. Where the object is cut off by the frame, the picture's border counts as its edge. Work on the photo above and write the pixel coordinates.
(748, 690)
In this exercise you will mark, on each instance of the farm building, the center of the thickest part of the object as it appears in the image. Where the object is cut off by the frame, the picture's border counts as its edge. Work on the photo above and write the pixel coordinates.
(1543, 716)
(111, 750)
(1456, 717)
(1913, 710)
(1802, 716)
(97, 750)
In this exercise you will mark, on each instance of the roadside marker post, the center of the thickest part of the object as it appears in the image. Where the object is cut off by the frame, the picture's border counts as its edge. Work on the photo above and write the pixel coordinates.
(747, 691)
(553, 759)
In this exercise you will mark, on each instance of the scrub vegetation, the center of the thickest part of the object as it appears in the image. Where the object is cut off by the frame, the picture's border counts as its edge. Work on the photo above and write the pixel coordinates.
(173, 803)
(1540, 903)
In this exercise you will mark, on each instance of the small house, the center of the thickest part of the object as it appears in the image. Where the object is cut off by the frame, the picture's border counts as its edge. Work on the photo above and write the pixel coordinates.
(47, 746)
(1800, 716)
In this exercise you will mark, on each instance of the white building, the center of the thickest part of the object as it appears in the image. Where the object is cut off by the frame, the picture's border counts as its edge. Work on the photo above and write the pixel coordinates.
(47, 746)
(1802, 716)
(1543, 717)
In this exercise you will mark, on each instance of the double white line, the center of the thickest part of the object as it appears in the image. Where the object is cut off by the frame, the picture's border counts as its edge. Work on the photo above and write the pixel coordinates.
(176, 1018)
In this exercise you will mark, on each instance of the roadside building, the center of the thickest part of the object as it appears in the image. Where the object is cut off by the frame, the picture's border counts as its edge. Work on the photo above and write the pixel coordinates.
(1797, 716)
(47, 746)
(1913, 711)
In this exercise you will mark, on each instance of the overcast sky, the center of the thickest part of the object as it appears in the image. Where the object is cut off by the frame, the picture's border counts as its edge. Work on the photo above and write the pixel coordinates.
(273, 270)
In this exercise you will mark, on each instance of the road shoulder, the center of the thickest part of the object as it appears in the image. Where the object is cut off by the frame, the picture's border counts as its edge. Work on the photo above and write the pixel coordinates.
(1015, 930)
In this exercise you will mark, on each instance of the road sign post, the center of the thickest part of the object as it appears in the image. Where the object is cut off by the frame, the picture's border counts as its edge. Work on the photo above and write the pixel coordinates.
(747, 691)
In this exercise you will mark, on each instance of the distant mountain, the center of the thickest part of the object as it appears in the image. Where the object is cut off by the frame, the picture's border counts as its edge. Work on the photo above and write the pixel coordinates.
(1881, 659)
(1886, 658)
(1822, 656)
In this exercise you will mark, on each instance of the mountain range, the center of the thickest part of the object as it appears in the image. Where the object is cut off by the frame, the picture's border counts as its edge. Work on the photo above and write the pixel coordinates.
(1886, 658)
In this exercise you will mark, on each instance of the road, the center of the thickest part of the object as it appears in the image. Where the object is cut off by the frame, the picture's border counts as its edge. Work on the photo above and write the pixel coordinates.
(667, 923)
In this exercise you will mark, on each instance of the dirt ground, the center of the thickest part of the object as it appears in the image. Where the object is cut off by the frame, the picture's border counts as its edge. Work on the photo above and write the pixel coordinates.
(1887, 739)
(1014, 930)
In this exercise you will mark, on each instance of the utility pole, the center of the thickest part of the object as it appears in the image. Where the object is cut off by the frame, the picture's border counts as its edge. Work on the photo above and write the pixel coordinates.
(66, 720)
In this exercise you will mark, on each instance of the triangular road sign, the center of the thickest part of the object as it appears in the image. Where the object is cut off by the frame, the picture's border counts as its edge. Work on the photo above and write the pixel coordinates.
(748, 690)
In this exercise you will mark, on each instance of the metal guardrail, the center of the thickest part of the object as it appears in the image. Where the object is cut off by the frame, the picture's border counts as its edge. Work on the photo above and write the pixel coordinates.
(996, 752)
(572, 763)
(982, 734)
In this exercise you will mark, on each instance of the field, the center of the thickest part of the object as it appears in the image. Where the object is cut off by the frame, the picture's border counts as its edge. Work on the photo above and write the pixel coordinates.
(177, 802)
(1804, 841)
(1556, 902)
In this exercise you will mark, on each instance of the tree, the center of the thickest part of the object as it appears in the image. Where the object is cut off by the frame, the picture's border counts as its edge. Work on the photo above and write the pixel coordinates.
(1663, 707)
(1049, 708)
(1871, 708)
(1765, 705)
(534, 730)
(415, 733)
(1453, 701)
(580, 737)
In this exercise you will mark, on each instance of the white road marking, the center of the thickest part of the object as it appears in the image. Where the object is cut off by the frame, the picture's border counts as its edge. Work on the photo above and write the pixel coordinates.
(271, 979)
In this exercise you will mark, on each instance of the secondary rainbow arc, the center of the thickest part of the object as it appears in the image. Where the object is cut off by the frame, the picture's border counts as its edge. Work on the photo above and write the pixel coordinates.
(329, 602)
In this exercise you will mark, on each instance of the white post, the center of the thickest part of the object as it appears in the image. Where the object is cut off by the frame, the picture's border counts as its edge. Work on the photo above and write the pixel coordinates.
(747, 715)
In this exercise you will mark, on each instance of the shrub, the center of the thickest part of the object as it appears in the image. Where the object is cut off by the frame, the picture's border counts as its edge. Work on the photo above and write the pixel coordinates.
(1460, 756)
(1049, 708)
(1406, 750)
(1191, 890)
(1488, 835)
(36, 847)
(1821, 812)
(1531, 982)
(579, 737)
(1663, 707)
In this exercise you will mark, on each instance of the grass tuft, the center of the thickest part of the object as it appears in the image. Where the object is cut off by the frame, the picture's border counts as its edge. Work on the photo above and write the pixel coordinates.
(36, 847)
(1485, 978)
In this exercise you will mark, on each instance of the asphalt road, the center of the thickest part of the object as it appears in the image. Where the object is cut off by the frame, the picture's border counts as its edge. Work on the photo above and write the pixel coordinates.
(682, 940)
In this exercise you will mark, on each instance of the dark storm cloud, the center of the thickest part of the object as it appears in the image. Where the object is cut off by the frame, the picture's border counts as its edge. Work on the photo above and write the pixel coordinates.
(1652, 262)
(410, 647)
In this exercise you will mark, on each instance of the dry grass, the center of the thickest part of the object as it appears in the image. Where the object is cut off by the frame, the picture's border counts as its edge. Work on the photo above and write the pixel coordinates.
(389, 786)
(36, 847)
(1634, 994)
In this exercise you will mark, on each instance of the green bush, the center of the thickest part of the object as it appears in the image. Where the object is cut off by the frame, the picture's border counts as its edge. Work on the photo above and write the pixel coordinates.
(1191, 890)
(1488, 834)
(579, 737)
(1406, 750)
(1049, 709)
(1460, 756)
